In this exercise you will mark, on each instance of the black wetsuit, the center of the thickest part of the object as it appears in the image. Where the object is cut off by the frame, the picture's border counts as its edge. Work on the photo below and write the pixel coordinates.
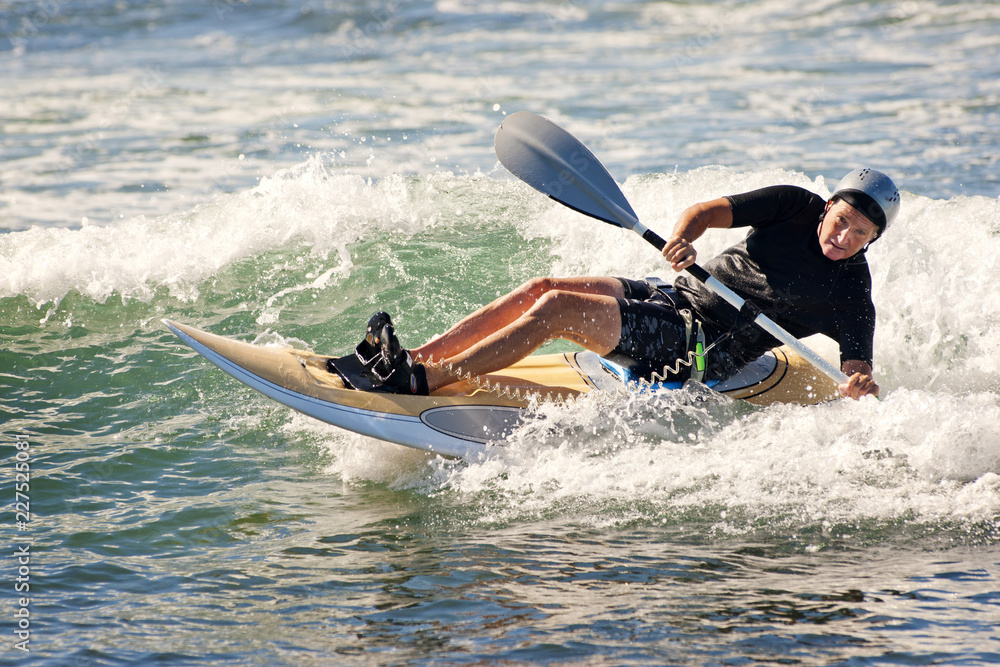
(780, 268)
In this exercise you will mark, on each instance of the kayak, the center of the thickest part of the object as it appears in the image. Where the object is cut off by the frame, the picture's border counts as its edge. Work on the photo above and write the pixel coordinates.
(461, 419)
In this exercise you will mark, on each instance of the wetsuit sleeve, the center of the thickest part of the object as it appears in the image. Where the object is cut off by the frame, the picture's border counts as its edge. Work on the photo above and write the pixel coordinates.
(856, 330)
(759, 208)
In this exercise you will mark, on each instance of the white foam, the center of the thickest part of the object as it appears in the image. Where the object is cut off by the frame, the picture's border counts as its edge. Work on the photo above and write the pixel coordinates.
(914, 456)
(307, 207)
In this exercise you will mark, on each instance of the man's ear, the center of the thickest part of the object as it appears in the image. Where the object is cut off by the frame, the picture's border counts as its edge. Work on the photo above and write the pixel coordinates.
(826, 210)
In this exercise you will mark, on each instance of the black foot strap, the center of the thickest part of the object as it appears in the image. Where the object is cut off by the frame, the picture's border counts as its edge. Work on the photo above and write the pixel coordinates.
(354, 373)
(358, 375)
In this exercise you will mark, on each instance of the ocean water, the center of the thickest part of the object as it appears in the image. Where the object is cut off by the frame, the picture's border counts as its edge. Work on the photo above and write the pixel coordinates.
(277, 171)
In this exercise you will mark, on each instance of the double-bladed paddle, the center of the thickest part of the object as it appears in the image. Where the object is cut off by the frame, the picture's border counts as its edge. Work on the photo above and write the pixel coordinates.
(554, 162)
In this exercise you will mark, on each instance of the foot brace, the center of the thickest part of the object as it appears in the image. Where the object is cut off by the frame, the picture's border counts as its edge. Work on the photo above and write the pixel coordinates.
(379, 363)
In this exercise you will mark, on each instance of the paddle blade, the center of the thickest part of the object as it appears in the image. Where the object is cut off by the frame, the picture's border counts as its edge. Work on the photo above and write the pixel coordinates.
(554, 162)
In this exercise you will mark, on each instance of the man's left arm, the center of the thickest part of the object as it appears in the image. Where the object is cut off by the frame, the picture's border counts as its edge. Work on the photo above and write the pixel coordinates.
(860, 381)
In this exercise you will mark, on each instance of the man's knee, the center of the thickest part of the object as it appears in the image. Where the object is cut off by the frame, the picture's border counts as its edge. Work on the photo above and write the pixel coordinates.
(561, 306)
(536, 288)
(591, 321)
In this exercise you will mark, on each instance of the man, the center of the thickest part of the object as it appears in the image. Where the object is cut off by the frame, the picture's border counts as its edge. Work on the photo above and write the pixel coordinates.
(803, 263)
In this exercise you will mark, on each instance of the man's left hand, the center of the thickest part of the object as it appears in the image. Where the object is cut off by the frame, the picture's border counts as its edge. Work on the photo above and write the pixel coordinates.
(858, 385)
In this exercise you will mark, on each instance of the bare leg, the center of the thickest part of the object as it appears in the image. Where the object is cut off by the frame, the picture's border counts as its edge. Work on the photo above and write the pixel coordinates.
(514, 326)
(495, 316)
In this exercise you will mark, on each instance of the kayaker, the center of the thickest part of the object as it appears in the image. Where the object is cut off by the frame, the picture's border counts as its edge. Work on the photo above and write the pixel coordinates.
(802, 263)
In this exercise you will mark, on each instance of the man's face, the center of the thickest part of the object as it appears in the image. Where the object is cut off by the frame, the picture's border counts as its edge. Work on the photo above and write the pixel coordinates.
(844, 231)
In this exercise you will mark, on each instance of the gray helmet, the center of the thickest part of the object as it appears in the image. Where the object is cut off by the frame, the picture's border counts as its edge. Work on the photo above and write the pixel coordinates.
(872, 193)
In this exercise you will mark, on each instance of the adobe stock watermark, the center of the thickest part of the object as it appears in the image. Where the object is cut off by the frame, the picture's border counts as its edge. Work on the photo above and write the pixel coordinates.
(44, 13)
(21, 573)
(365, 36)
(113, 114)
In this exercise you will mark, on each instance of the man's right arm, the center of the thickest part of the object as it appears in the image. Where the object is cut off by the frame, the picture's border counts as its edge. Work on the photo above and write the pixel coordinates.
(691, 224)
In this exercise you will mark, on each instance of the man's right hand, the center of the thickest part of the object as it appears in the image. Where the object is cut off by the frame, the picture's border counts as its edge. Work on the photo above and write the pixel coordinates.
(680, 253)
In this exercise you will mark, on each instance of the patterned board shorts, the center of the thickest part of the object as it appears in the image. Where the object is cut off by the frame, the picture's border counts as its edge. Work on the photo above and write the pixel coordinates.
(654, 333)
